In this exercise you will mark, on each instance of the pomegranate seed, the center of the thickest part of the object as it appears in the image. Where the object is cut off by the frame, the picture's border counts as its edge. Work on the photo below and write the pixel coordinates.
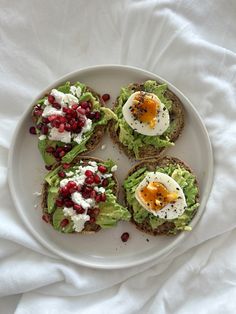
(103, 197)
(84, 104)
(87, 111)
(67, 148)
(74, 114)
(75, 106)
(64, 109)
(68, 127)
(69, 203)
(74, 126)
(52, 117)
(92, 220)
(62, 119)
(93, 194)
(64, 191)
(88, 173)
(39, 126)
(62, 154)
(91, 115)
(105, 97)
(64, 222)
(89, 180)
(65, 165)
(97, 115)
(105, 182)
(48, 167)
(61, 174)
(44, 129)
(71, 121)
(79, 209)
(125, 237)
(78, 130)
(51, 99)
(102, 169)
(71, 184)
(45, 120)
(59, 149)
(98, 198)
(81, 111)
(56, 105)
(55, 154)
(46, 218)
(81, 122)
(96, 211)
(97, 179)
(59, 202)
(61, 128)
(50, 149)
(32, 130)
(38, 112)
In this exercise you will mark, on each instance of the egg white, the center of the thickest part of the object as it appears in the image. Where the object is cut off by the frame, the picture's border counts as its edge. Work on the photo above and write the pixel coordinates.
(163, 118)
(170, 211)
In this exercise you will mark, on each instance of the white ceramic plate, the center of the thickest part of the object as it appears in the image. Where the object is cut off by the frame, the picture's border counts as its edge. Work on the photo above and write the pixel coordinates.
(105, 249)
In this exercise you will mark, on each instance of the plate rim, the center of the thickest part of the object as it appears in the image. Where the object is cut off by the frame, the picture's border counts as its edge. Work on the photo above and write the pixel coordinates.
(60, 254)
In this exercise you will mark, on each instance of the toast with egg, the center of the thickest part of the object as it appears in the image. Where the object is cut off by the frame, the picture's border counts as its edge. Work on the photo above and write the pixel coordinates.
(81, 197)
(170, 218)
(128, 137)
(70, 120)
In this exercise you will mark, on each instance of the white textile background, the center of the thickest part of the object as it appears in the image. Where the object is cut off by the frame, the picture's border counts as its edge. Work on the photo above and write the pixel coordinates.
(191, 44)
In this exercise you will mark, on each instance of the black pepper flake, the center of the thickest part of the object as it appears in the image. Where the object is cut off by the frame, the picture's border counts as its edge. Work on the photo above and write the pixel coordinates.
(164, 109)
(147, 240)
(177, 189)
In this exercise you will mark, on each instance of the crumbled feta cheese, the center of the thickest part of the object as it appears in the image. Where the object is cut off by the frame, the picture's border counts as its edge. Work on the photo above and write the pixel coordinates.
(93, 164)
(87, 127)
(85, 203)
(42, 137)
(79, 221)
(55, 135)
(114, 168)
(73, 90)
(69, 211)
(49, 110)
(107, 175)
(69, 173)
(99, 189)
(70, 99)
(78, 91)
(59, 96)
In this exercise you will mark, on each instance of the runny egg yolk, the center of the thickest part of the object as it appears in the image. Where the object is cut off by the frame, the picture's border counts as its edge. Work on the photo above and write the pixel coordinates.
(156, 196)
(145, 109)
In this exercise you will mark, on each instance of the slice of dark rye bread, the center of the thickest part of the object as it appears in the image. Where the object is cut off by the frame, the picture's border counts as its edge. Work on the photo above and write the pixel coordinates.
(99, 130)
(149, 151)
(151, 165)
(89, 227)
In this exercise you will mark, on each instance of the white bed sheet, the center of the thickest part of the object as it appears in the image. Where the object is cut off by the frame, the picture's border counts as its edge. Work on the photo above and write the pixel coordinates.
(191, 44)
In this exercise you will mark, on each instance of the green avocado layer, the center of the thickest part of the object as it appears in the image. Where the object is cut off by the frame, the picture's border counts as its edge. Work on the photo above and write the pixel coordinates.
(132, 139)
(86, 95)
(184, 178)
(110, 210)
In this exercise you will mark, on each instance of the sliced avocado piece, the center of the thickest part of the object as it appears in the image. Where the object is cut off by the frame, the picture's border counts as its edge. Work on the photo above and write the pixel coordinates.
(52, 177)
(51, 199)
(48, 158)
(57, 218)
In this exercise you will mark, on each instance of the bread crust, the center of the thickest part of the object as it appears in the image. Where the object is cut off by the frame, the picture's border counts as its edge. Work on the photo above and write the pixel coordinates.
(89, 227)
(151, 165)
(149, 151)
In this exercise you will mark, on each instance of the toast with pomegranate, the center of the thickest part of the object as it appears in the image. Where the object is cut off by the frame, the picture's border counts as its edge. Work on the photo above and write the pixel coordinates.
(81, 197)
(69, 120)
